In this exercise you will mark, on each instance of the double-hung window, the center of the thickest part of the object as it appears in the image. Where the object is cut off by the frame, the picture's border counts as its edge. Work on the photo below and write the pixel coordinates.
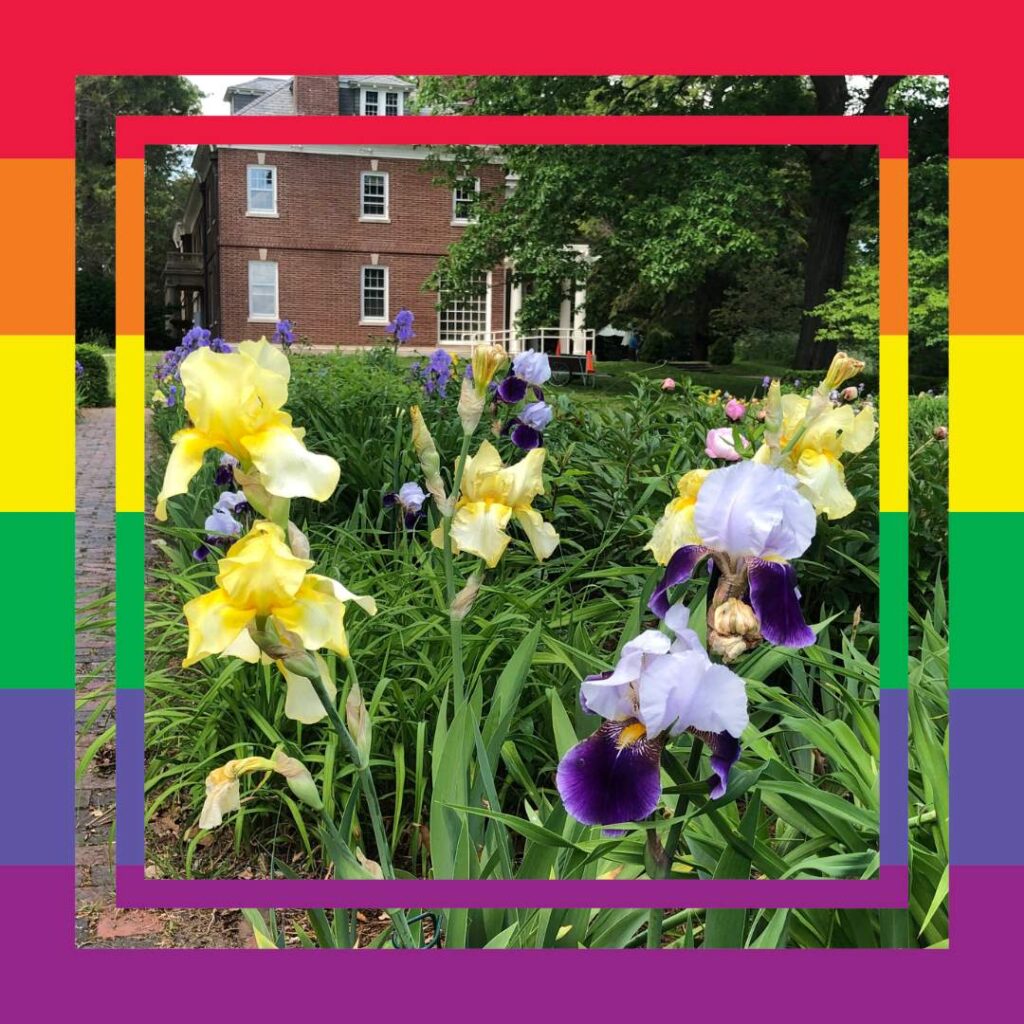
(373, 195)
(262, 191)
(373, 296)
(463, 199)
(263, 290)
(392, 104)
(465, 319)
(371, 102)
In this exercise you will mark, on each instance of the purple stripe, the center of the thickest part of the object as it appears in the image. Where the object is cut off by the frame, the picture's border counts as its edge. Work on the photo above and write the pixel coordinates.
(130, 777)
(984, 742)
(892, 778)
(888, 890)
(36, 782)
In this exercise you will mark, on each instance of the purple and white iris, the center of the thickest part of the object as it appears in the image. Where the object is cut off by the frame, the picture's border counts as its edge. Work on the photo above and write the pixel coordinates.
(225, 474)
(221, 525)
(527, 428)
(660, 688)
(530, 369)
(750, 518)
(409, 498)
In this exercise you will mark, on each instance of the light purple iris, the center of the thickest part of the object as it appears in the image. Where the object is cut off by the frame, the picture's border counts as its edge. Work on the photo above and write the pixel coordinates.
(221, 525)
(527, 429)
(529, 369)
(409, 498)
(660, 688)
(436, 373)
(750, 516)
(401, 327)
(284, 334)
(225, 474)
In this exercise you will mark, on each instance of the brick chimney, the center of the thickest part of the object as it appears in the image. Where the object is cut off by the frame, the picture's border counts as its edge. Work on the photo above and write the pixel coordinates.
(316, 94)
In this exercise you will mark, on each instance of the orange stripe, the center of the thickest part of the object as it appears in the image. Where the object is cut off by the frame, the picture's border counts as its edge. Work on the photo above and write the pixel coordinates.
(131, 242)
(37, 259)
(892, 224)
(986, 257)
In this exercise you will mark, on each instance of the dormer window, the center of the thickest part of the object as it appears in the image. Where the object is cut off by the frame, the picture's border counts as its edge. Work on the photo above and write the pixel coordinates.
(371, 104)
(381, 102)
(392, 104)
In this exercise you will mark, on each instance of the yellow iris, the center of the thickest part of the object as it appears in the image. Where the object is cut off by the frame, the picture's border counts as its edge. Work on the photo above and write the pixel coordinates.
(675, 529)
(814, 458)
(261, 577)
(234, 400)
(486, 361)
(490, 495)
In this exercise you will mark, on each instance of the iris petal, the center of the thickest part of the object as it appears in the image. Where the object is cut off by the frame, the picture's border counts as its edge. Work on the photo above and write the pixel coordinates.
(680, 567)
(479, 528)
(213, 625)
(288, 469)
(601, 784)
(775, 600)
(512, 389)
(525, 437)
(185, 461)
(725, 752)
(542, 535)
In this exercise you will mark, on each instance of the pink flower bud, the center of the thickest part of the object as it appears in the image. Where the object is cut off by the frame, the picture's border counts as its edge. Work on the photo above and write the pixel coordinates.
(668, 384)
(941, 433)
(849, 394)
(735, 409)
(718, 444)
(762, 416)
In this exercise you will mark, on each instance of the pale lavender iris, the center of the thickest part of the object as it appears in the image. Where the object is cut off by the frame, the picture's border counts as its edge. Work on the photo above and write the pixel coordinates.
(401, 327)
(409, 498)
(660, 688)
(527, 429)
(751, 518)
(530, 369)
(221, 525)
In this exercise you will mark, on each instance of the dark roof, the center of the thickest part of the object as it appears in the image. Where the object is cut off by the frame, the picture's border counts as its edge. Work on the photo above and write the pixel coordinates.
(279, 100)
(254, 85)
(385, 81)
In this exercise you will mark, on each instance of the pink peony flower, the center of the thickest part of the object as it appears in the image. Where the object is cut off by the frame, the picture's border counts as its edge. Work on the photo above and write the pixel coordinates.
(941, 433)
(735, 409)
(718, 444)
(849, 394)
(668, 384)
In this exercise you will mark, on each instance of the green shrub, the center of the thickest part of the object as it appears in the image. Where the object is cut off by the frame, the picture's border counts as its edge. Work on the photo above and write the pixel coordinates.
(95, 336)
(94, 384)
(721, 352)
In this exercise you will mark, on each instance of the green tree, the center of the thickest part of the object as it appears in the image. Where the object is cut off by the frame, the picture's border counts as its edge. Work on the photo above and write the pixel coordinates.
(99, 100)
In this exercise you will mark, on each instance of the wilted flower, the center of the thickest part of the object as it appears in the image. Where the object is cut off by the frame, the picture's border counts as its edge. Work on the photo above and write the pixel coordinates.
(527, 429)
(486, 361)
(401, 327)
(719, 444)
(529, 369)
(426, 451)
(235, 404)
(668, 384)
(222, 789)
(940, 433)
(660, 688)
(491, 494)
(750, 520)
(841, 369)
(409, 497)
(735, 409)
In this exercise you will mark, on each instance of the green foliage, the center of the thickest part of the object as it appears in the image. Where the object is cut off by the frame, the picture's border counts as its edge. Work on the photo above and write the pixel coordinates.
(803, 802)
(93, 386)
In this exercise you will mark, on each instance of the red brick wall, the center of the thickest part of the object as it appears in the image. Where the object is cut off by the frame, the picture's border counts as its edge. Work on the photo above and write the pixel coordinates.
(316, 94)
(320, 244)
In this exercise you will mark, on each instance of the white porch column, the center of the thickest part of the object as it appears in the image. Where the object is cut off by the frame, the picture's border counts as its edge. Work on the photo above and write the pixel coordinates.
(565, 319)
(579, 320)
(515, 304)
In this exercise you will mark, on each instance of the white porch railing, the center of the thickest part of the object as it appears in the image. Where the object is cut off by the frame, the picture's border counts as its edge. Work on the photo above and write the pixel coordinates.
(564, 340)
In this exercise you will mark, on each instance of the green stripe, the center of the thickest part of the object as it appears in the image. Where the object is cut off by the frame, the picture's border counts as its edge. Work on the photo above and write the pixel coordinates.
(893, 597)
(985, 599)
(130, 599)
(37, 601)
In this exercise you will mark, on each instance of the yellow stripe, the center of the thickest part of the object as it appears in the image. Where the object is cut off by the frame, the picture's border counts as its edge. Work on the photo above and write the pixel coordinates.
(131, 424)
(892, 387)
(984, 423)
(37, 423)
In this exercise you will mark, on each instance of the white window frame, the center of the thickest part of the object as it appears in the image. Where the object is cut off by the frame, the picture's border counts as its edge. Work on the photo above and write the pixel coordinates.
(458, 221)
(385, 217)
(381, 101)
(249, 211)
(398, 103)
(363, 94)
(487, 316)
(363, 318)
(265, 318)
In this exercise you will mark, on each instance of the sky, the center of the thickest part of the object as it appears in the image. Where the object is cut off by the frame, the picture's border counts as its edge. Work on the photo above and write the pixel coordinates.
(214, 86)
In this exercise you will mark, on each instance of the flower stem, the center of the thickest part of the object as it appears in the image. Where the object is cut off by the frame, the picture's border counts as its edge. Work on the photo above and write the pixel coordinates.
(455, 625)
(370, 793)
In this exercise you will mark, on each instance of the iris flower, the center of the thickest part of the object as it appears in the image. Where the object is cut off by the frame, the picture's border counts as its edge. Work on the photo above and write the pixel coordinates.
(401, 326)
(675, 529)
(750, 519)
(235, 403)
(409, 498)
(660, 688)
(529, 369)
(527, 428)
(493, 493)
(260, 577)
(816, 450)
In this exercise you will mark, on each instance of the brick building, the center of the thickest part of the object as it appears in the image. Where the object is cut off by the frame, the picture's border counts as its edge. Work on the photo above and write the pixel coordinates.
(338, 238)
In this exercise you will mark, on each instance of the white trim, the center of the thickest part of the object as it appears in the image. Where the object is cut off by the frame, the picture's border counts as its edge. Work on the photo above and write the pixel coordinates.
(265, 318)
(368, 320)
(380, 218)
(382, 93)
(249, 211)
(488, 314)
(463, 221)
(384, 151)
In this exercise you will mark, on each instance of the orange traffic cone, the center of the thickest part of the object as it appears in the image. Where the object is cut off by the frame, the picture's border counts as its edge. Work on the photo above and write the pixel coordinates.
(590, 362)
(558, 346)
